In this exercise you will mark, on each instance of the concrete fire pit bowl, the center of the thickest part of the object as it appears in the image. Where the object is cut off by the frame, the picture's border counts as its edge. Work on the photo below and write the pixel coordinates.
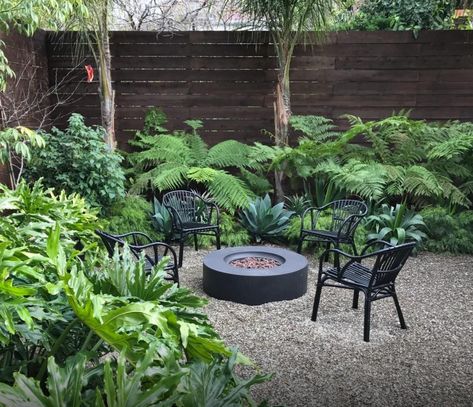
(254, 286)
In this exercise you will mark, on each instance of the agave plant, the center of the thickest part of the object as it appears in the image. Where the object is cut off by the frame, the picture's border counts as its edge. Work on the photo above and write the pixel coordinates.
(264, 221)
(162, 219)
(396, 225)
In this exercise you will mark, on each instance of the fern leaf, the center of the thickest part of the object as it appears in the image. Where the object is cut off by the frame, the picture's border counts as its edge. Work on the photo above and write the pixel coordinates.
(170, 176)
(229, 153)
(228, 191)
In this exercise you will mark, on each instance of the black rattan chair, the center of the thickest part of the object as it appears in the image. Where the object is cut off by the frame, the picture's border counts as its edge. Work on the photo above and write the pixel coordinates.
(346, 215)
(191, 215)
(141, 244)
(377, 281)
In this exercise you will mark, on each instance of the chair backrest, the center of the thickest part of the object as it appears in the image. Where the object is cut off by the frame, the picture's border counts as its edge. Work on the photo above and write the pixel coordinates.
(346, 215)
(183, 203)
(389, 263)
(109, 241)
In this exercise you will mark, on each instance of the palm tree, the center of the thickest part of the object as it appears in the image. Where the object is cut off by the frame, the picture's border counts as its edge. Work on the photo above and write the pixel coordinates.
(289, 22)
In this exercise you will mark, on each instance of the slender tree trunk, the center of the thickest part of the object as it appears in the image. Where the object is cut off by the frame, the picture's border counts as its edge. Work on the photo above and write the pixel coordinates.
(107, 93)
(282, 114)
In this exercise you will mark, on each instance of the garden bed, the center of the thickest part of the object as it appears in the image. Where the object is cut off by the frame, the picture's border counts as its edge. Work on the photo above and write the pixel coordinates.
(327, 362)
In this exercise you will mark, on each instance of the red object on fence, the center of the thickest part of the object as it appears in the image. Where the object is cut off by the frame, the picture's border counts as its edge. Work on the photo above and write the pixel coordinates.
(90, 73)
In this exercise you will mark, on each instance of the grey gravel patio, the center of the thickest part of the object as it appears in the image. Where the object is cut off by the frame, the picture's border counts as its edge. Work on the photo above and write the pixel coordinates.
(326, 363)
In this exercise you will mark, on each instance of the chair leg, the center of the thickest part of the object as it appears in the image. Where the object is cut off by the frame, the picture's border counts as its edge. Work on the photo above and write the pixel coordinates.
(217, 238)
(399, 311)
(318, 293)
(196, 243)
(356, 295)
(328, 254)
(366, 328)
(299, 245)
(181, 251)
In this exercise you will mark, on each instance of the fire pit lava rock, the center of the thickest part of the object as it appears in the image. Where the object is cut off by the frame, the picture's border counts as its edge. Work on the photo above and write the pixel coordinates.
(283, 276)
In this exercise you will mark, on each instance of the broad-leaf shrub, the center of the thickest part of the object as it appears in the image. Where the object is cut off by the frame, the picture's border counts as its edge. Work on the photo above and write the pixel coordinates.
(62, 311)
(263, 220)
(78, 160)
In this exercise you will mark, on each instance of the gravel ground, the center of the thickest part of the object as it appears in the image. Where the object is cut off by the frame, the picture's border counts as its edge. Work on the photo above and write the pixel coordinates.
(327, 363)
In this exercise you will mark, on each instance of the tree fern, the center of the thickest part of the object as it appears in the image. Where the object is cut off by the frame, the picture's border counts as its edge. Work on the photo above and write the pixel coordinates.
(171, 161)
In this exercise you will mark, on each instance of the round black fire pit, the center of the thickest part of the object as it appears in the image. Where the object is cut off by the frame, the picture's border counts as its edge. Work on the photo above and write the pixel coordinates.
(282, 276)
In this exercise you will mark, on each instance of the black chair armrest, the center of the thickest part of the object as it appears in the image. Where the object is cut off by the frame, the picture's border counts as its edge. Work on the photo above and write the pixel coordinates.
(351, 218)
(155, 246)
(212, 207)
(375, 242)
(134, 236)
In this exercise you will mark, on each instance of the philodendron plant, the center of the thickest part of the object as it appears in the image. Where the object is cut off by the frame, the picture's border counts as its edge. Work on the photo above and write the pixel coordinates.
(264, 221)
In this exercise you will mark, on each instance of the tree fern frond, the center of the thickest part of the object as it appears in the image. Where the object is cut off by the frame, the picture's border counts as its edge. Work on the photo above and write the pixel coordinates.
(419, 181)
(228, 191)
(170, 176)
(256, 183)
(457, 144)
(198, 149)
(364, 179)
(229, 153)
(315, 128)
(162, 148)
(201, 174)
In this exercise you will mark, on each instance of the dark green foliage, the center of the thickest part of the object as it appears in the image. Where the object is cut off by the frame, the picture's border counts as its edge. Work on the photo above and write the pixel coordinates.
(448, 232)
(396, 225)
(400, 15)
(77, 160)
(180, 160)
(131, 214)
(264, 221)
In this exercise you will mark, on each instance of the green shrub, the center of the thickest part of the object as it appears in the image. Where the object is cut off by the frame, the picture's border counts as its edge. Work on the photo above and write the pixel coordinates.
(131, 214)
(448, 232)
(264, 221)
(61, 317)
(402, 15)
(77, 160)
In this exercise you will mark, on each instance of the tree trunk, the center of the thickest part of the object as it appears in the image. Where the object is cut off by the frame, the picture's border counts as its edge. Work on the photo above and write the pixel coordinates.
(282, 114)
(107, 94)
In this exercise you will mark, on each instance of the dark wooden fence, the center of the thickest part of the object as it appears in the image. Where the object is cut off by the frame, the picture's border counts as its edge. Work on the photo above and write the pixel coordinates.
(227, 78)
(28, 59)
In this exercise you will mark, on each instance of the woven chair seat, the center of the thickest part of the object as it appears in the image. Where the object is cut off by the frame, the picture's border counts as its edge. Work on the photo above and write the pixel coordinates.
(327, 234)
(196, 226)
(355, 273)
